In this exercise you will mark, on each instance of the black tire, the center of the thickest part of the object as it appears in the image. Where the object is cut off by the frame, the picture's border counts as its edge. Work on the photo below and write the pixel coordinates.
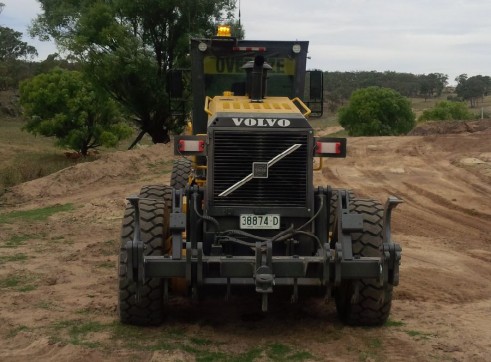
(154, 220)
(181, 170)
(157, 192)
(372, 306)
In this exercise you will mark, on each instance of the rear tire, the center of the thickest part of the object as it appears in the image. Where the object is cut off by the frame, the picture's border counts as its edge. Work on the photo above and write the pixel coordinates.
(374, 301)
(154, 225)
(181, 170)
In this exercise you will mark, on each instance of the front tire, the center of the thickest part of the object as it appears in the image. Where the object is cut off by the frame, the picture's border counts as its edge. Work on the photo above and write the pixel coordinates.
(154, 225)
(372, 307)
(157, 192)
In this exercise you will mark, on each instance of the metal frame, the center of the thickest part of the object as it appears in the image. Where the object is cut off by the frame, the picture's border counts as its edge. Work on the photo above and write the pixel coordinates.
(263, 270)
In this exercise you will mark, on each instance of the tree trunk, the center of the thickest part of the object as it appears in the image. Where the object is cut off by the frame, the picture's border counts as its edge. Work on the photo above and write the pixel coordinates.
(137, 139)
(159, 134)
(157, 130)
(84, 150)
(154, 127)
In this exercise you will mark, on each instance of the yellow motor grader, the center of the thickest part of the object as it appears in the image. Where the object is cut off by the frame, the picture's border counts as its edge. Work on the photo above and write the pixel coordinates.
(242, 211)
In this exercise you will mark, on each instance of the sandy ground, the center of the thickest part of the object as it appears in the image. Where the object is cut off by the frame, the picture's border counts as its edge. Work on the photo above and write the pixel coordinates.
(58, 275)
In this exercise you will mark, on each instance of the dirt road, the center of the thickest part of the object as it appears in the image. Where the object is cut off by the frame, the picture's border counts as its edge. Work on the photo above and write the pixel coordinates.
(58, 265)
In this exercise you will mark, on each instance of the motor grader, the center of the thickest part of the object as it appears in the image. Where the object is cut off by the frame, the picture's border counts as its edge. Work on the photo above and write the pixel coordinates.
(241, 212)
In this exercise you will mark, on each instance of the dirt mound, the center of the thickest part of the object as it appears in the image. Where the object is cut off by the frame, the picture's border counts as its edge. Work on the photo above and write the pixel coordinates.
(122, 166)
(451, 127)
(59, 274)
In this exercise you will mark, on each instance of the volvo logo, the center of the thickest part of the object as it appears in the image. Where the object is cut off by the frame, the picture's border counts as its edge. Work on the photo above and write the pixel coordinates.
(260, 169)
(261, 122)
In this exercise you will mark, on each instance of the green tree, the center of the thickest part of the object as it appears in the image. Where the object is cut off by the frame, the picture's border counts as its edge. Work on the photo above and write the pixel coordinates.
(63, 104)
(128, 47)
(447, 111)
(12, 47)
(432, 84)
(376, 111)
(473, 88)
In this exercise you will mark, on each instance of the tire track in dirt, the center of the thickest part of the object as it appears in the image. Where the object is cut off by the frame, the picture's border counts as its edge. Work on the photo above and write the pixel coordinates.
(441, 309)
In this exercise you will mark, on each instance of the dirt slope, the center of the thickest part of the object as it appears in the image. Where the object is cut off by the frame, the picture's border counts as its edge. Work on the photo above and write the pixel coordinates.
(58, 275)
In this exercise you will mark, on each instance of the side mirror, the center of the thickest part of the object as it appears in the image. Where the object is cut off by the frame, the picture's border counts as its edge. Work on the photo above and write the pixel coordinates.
(316, 85)
(315, 89)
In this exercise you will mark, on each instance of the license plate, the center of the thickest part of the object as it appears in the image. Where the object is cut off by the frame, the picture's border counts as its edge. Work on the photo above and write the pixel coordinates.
(251, 221)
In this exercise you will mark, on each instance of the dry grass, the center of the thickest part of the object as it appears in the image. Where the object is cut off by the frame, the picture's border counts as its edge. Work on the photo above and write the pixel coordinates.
(25, 157)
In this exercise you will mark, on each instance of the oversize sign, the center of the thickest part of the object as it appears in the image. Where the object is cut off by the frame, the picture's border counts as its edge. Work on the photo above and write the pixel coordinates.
(233, 65)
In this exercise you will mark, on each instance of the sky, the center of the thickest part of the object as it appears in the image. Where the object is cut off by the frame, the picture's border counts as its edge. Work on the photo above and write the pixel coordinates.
(414, 36)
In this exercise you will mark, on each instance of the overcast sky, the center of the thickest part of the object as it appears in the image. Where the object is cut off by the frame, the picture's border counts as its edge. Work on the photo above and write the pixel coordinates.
(416, 36)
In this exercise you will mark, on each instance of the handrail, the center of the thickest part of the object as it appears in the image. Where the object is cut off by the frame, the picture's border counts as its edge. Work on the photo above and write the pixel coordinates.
(207, 105)
(306, 109)
(319, 167)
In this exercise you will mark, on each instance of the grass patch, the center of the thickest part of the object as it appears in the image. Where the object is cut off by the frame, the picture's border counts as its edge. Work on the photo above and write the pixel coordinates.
(57, 240)
(80, 332)
(77, 332)
(374, 343)
(281, 352)
(16, 240)
(200, 341)
(373, 346)
(418, 334)
(106, 265)
(15, 331)
(15, 257)
(248, 356)
(391, 323)
(208, 356)
(47, 304)
(35, 214)
(19, 282)
(278, 350)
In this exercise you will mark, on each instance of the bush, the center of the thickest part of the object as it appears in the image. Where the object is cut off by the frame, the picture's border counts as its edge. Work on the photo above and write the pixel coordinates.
(377, 111)
(447, 111)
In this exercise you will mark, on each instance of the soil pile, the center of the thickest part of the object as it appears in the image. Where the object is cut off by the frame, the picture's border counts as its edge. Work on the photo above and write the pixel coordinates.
(59, 273)
(451, 127)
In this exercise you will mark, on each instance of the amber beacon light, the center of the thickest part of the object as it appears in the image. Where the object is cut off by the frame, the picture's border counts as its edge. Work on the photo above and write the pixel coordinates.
(224, 30)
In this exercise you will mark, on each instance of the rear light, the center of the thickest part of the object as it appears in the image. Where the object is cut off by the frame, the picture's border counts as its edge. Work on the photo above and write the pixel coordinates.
(190, 145)
(330, 147)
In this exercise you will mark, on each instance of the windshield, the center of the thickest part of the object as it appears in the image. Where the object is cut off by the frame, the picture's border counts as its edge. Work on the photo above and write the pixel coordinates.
(225, 73)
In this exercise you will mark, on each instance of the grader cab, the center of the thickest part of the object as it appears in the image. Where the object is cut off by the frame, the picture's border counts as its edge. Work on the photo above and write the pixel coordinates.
(242, 211)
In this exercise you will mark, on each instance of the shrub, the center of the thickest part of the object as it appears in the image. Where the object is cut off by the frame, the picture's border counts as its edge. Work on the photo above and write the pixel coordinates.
(447, 111)
(376, 111)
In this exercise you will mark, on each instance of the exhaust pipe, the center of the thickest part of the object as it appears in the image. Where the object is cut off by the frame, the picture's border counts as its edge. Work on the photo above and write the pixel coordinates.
(257, 74)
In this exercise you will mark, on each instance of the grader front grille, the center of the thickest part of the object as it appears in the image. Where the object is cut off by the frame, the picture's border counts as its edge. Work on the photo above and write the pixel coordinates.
(233, 156)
